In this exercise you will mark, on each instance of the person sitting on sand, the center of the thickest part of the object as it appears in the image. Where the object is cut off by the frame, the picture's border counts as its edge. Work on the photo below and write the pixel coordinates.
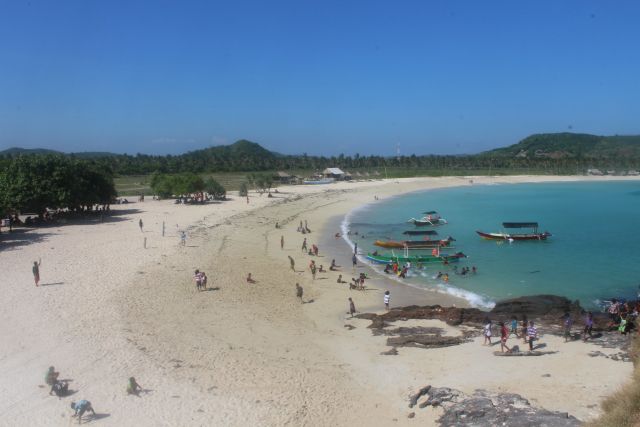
(250, 279)
(133, 387)
(354, 283)
(337, 235)
(51, 376)
(321, 269)
(340, 281)
(80, 407)
(387, 268)
(333, 266)
(60, 388)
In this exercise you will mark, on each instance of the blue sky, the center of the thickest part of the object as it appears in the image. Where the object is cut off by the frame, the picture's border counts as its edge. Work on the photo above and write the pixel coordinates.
(322, 77)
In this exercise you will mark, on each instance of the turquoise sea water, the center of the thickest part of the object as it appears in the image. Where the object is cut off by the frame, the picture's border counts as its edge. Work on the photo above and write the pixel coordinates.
(593, 254)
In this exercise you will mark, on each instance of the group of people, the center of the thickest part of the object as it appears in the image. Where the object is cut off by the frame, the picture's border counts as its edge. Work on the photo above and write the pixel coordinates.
(200, 278)
(529, 333)
(623, 315)
(61, 389)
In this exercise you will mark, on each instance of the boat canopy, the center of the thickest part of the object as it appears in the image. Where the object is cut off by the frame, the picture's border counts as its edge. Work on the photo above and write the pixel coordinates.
(421, 232)
(520, 224)
(430, 213)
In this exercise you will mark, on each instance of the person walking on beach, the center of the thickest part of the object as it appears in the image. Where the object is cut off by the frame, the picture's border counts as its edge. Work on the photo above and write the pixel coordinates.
(292, 263)
(304, 245)
(387, 299)
(140, 224)
(588, 326)
(299, 292)
(354, 261)
(504, 334)
(524, 328)
(183, 238)
(487, 332)
(352, 307)
(197, 277)
(36, 271)
(281, 242)
(313, 270)
(80, 407)
(567, 322)
(532, 333)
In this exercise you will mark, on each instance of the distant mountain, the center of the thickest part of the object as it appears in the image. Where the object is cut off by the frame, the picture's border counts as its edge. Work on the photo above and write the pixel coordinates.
(571, 145)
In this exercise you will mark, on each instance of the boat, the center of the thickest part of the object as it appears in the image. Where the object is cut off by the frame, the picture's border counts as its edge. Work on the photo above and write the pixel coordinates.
(415, 259)
(533, 235)
(430, 218)
(421, 233)
(414, 244)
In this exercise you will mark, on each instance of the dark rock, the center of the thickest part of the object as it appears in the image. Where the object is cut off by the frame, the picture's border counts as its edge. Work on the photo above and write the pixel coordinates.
(425, 341)
(349, 327)
(414, 399)
(535, 306)
(392, 352)
(523, 353)
(411, 415)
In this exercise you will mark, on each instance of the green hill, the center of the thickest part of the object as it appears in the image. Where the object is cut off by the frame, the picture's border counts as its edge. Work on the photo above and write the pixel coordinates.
(571, 145)
(15, 151)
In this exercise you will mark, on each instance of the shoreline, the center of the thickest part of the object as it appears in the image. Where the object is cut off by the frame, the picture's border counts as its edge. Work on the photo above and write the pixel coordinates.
(251, 351)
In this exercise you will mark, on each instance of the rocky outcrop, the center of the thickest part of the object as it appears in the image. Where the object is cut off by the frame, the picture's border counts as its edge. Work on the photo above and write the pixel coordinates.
(484, 409)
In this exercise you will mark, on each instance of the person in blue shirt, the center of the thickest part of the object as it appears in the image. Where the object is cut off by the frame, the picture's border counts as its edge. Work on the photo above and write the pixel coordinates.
(80, 407)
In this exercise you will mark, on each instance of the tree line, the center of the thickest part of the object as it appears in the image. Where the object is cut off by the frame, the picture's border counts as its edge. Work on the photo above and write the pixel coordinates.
(165, 185)
(31, 184)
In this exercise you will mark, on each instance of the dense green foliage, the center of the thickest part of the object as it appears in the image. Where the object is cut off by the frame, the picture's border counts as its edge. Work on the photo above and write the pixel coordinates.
(34, 183)
(560, 153)
(166, 185)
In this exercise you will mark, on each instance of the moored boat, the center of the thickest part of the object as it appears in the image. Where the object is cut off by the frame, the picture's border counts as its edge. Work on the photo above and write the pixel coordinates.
(430, 218)
(413, 244)
(415, 259)
(533, 235)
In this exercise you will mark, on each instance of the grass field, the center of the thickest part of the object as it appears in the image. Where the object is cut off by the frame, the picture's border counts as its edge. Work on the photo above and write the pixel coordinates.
(132, 185)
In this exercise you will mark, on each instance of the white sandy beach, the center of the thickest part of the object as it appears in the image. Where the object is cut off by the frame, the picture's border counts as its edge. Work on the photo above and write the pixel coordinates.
(242, 354)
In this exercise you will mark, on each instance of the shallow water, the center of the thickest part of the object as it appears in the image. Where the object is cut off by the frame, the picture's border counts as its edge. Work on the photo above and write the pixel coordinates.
(593, 254)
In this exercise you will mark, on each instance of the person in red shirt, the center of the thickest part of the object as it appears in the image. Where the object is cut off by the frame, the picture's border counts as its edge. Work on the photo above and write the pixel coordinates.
(504, 334)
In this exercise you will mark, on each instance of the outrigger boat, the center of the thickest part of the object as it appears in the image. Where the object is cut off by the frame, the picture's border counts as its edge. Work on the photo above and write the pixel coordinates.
(415, 259)
(421, 232)
(414, 244)
(534, 235)
(430, 218)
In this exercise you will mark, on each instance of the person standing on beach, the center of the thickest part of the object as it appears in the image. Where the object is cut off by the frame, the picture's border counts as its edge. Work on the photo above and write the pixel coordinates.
(299, 292)
(313, 270)
(504, 334)
(304, 245)
(354, 261)
(588, 326)
(140, 224)
(183, 238)
(532, 333)
(387, 299)
(514, 326)
(292, 263)
(524, 328)
(36, 271)
(352, 307)
(567, 322)
(487, 332)
(281, 242)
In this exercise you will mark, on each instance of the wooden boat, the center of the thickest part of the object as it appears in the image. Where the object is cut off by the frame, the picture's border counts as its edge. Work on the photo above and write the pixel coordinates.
(415, 259)
(421, 233)
(533, 235)
(430, 218)
(413, 244)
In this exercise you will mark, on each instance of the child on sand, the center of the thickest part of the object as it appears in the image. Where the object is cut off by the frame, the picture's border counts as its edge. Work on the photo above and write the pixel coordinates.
(514, 327)
(250, 279)
(339, 278)
(387, 299)
(51, 376)
(352, 307)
